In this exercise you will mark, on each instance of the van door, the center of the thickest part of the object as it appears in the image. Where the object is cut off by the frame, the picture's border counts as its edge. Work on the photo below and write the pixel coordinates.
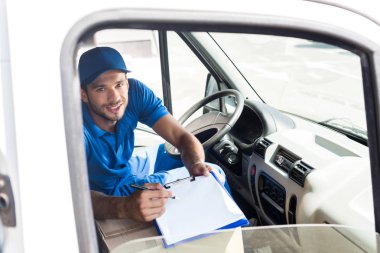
(176, 20)
(10, 221)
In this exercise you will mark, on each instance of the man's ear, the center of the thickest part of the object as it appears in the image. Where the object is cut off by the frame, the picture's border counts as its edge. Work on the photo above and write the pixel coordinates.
(83, 95)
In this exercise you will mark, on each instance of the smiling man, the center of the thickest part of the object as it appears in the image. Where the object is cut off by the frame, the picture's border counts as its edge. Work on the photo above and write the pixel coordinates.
(112, 106)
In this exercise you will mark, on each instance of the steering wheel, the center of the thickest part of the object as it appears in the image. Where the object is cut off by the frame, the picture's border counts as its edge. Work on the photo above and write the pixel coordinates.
(212, 126)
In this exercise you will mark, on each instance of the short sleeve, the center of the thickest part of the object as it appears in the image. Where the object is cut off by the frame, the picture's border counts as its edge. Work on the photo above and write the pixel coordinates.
(150, 106)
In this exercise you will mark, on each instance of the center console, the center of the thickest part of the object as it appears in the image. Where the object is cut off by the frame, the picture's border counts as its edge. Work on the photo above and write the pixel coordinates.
(272, 198)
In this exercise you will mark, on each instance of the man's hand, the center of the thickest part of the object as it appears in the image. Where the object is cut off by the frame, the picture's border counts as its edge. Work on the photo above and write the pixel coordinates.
(203, 169)
(147, 205)
(200, 169)
(141, 205)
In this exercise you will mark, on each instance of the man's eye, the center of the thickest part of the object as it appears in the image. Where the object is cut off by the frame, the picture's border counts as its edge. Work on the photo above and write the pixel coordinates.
(99, 89)
(119, 84)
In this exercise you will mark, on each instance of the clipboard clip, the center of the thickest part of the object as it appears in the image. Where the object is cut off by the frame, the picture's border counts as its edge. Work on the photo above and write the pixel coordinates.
(181, 180)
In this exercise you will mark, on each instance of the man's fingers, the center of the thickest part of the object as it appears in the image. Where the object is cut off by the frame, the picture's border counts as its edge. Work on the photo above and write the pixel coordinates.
(152, 211)
(153, 186)
(156, 208)
(200, 169)
(154, 216)
(151, 204)
(156, 194)
(158, 202)
(203, 169)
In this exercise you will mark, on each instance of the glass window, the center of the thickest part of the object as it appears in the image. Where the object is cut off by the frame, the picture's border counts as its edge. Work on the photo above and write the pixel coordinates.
(188, 75)
(141, 53)
(314, 80)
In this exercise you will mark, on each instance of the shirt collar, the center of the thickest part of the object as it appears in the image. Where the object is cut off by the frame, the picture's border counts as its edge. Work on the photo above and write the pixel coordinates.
(89, 122)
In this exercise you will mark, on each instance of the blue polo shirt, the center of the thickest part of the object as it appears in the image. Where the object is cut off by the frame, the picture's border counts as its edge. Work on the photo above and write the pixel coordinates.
(110, 167)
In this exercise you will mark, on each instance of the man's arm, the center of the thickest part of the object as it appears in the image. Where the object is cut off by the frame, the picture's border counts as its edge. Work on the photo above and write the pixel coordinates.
(192, 153)
(141, 205)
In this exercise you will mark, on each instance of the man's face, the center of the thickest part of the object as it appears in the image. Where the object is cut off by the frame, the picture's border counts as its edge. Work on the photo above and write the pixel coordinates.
(107, 98)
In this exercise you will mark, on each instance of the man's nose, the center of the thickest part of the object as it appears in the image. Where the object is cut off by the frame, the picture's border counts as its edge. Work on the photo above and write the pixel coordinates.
(113, 95)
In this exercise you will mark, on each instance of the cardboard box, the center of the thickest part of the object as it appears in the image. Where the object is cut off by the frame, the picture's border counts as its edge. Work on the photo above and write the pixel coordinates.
(112, 233)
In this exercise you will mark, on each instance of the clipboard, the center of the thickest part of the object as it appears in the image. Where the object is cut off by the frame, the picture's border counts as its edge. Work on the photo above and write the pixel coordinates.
(204, 205)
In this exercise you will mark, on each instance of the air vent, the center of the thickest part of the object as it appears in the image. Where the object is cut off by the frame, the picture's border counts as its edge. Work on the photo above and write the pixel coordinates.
(299, 172)
(285, 160)
(261, 146)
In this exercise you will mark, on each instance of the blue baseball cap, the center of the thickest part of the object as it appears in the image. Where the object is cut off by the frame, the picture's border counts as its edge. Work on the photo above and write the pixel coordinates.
(97, 61)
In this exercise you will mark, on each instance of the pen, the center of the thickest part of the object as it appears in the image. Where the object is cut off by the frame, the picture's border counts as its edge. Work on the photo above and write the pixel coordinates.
(141, 187)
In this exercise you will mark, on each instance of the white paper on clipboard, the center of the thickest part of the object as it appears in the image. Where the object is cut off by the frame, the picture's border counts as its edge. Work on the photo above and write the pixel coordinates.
(203, 206)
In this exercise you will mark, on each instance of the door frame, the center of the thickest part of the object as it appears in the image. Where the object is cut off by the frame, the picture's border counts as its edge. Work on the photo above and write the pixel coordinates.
(202, 21)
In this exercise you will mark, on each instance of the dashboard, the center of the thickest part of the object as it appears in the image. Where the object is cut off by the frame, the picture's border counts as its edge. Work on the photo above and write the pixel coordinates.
(291, 170)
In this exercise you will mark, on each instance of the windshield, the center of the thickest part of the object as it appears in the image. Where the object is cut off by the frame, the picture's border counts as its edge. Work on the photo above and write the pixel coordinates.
(314, 80)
